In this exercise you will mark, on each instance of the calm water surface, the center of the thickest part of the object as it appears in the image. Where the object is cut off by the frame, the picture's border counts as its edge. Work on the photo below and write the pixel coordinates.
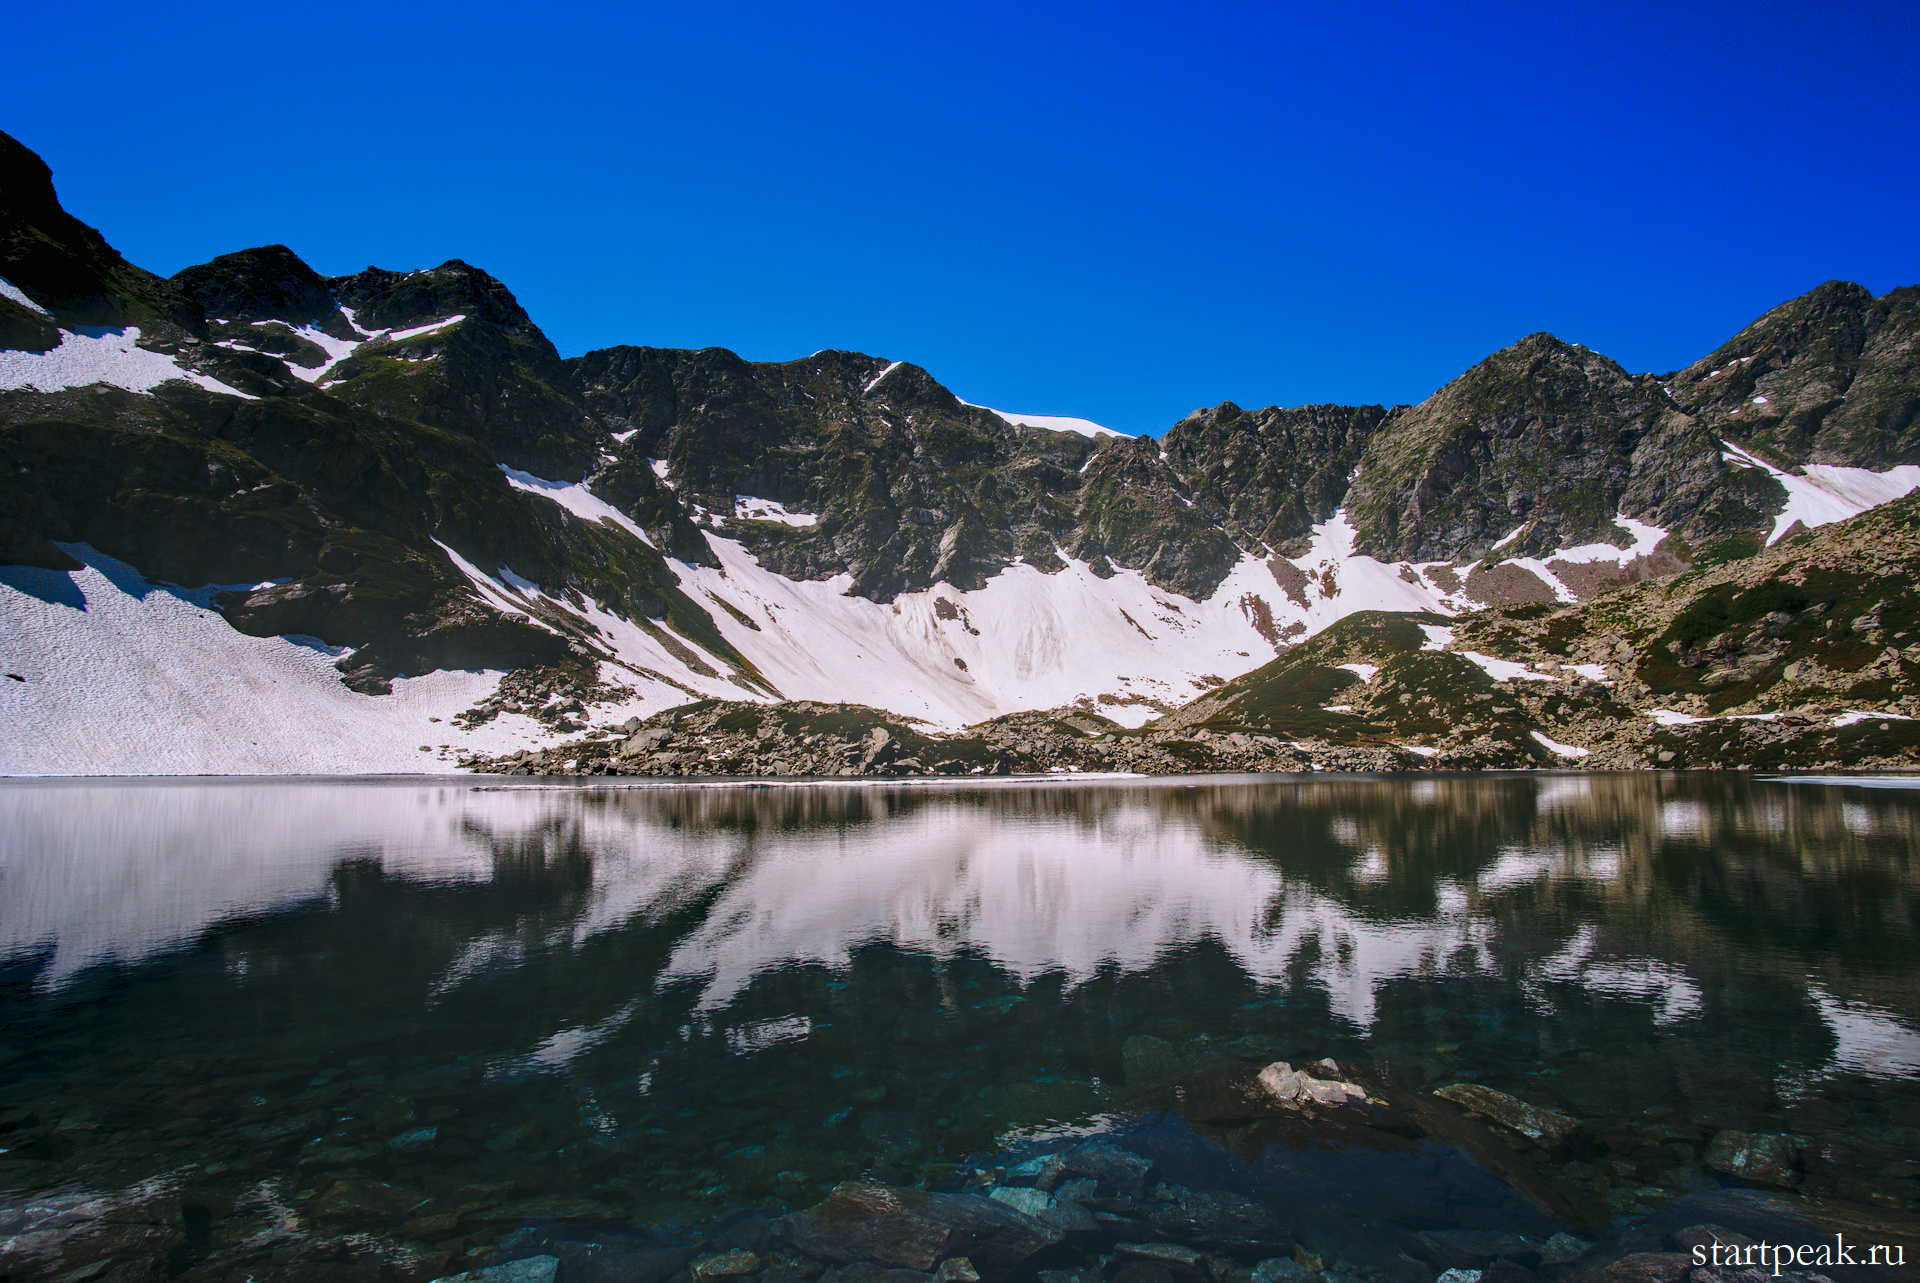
(272, 1001)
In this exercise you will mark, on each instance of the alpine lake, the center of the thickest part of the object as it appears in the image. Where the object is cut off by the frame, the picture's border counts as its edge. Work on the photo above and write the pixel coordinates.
(1221, 1029)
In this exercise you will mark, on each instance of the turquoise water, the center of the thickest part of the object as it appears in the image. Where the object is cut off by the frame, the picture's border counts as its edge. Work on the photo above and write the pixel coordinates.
(429, 1017)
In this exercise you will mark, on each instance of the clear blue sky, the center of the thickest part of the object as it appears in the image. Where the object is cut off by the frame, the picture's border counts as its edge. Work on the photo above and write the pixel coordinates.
(1116, 211)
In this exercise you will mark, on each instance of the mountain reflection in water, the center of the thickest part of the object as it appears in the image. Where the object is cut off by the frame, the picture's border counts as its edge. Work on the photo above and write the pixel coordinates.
(882, 980)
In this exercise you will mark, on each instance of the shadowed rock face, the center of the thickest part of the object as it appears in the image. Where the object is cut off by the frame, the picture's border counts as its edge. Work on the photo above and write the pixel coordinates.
(69, 269)
(911, 486)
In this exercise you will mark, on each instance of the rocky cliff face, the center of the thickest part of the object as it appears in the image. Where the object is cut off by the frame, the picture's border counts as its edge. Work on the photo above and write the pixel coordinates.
(1545, 438)
(1832, 377)
(1273, 474)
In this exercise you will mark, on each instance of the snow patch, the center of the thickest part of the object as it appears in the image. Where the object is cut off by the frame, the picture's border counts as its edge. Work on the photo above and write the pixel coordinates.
(1564, 750)
(748, 507)
(8, 290)
(1052, 422)
(129, 677)
(1853, 718)
(575, 498)
(100, 355)
(1669, 717)
(1365, 671)
(1826, 493)
(1506, 670)
(1027, 639)
(874, 382)
(417, 331)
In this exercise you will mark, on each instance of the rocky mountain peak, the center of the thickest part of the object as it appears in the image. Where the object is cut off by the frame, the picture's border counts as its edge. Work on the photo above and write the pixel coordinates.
(269, 283)
(1830, 377)
(386, 300)
(1540, 434)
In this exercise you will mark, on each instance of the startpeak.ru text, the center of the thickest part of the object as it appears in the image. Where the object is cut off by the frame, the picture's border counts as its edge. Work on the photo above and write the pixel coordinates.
(1783, 1255)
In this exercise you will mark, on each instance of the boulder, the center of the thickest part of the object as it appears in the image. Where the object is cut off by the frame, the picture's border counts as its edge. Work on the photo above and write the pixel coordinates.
(913, 1229)
(1147, 1059)
(1120, 1173)
(1475, 1249)
(1542, 1126)
(528, 1269)
(1031, 1201)
(1295, 1087)
(725, 1265)
(1563, 1249)
(1280, 1269)
(1760, 1158)
(1171, 1255)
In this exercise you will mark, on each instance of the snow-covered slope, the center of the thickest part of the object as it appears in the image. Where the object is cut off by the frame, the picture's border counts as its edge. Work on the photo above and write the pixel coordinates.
(108, 674)
(99, 355)
(1827, 493)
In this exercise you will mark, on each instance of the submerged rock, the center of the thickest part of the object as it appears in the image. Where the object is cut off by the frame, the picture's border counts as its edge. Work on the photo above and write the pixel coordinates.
(1120, 1173)
(1542, 1126)
(1762, 1159)
(912, 1229)
(1225, 1222)
(528, 1269)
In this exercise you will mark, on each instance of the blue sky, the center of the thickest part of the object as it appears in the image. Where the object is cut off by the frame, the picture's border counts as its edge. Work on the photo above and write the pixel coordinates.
(1115, 211)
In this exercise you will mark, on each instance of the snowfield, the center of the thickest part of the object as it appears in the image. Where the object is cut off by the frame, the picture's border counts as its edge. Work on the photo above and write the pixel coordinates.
(99, 355)
(1827, 493)
(107, 674)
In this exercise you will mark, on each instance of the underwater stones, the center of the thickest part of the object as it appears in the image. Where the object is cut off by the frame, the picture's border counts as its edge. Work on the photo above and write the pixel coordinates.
(1148, 1059)
(1563, 1249)
(956, 1269)
(1647, 1267)
(868, 1272)
(1030, 1201)
(1044, 1172)
(1542, 1126)
(1474, 1249)
(359, 1198)
(1279, 1269)
(725, 1265)
(1121, 1173)
(626, 1263)
(1224, 1221)
(913, 1229)
(1296, 1087)
(1167, 1254)
(1760, 1158)
(528, 1269)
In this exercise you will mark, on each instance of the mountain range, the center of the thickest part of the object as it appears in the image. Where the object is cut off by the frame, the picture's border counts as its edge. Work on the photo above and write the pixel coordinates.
(254, 519)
